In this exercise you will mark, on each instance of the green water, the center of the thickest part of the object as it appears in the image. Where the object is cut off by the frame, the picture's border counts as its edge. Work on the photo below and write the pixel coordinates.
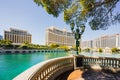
(13, 64)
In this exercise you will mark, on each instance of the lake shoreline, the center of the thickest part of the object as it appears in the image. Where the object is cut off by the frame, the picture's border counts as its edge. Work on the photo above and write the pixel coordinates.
(16, 51)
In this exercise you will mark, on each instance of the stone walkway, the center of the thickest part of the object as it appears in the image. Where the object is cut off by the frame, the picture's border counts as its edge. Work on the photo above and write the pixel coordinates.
(76, 75)
(93, 75)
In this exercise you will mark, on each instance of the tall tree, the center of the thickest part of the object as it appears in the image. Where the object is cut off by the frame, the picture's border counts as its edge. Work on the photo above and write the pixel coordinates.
(99, 14)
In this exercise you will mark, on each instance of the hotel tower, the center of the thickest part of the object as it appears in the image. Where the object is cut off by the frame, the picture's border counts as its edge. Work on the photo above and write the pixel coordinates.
(60, 37)
(17, 36)
(104, 41)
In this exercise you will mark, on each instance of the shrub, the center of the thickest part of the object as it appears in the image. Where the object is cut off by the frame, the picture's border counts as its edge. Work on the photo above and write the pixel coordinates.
(54, 46)
(114, 50)
(87, 50)
(100, 50)
(64, 48)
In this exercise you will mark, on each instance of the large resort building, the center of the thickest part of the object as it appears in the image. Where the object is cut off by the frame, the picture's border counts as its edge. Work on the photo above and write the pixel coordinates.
(17, 36)
(60, 37)
(110, 41)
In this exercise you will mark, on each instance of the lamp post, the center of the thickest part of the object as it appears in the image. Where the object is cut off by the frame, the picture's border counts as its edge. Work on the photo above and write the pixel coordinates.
(78, 31)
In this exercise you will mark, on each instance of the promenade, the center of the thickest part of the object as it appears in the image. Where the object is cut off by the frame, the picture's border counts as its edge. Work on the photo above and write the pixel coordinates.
(94, 75)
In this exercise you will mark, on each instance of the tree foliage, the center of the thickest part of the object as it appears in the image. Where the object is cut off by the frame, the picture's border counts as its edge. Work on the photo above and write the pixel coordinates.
(99, 14)
(114, 50)
(6, 44)
(53, 46)
(54, 7)
(87, 50)
(66, 48)
(100, 50)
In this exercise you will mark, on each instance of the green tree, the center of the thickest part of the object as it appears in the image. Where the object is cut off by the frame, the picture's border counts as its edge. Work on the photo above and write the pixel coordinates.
(25, 45)
(53, 46)
(0, 43)
(6, 44)
(73, 48)
(44, 47)
(99, 14)
(87, 50)
(100, 50)
(66, 48)
(114, 50)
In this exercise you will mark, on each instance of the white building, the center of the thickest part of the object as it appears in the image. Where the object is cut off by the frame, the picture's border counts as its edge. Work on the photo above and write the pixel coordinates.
(17, 36)
(118, 40)
(87, 44)
(109, 41)
(60, 37)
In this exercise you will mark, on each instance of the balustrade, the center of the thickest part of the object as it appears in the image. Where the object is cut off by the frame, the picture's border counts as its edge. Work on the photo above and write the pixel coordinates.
(51, 69)
(102, 61)
(47, 70)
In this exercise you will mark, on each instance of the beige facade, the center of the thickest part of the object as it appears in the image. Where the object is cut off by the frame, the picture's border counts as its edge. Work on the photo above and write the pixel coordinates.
(119, 41)
(103, 42)
(17, 36)
(86, 44)
(60, 37)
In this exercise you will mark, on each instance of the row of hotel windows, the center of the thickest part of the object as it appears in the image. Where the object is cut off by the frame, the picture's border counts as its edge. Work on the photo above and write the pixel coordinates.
(103, 42)
(18, 33)
(57, 37)
(17, 36)
(55, 31)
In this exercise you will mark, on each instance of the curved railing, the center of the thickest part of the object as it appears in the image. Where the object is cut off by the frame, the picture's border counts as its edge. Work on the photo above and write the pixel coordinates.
(102, 61)
(47, 70)
(51, 69)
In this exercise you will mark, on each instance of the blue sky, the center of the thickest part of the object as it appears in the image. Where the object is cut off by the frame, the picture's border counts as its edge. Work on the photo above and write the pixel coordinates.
(25, 14)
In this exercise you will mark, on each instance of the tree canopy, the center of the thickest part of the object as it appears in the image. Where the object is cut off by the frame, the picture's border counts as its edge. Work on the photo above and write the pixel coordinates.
(99, 14)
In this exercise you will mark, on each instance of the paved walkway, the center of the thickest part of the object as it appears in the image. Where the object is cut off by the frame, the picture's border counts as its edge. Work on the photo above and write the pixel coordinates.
(76, 75)
(94, 75)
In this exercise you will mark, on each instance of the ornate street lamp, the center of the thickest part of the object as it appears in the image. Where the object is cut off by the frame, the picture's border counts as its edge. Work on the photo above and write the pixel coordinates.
(78, 31)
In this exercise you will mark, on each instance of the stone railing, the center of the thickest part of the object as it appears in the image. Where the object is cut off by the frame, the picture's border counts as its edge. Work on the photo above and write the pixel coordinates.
(51, 69)
(47, 70)
(85, 62)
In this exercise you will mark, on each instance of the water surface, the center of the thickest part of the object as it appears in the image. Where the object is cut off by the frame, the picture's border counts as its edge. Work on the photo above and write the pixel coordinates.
(13, 64)
(112, 55)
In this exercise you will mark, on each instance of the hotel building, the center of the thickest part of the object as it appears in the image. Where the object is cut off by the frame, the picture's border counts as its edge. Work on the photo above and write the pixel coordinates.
(17, 36)
(87, 44)
(60, 37)
(119, 41)
(1, 37)
(109, 41)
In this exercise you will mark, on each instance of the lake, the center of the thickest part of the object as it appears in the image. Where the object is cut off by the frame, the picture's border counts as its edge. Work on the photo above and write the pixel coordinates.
(13, 64)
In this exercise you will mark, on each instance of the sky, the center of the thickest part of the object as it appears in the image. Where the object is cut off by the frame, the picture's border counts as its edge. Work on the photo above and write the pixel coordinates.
(26, 15)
